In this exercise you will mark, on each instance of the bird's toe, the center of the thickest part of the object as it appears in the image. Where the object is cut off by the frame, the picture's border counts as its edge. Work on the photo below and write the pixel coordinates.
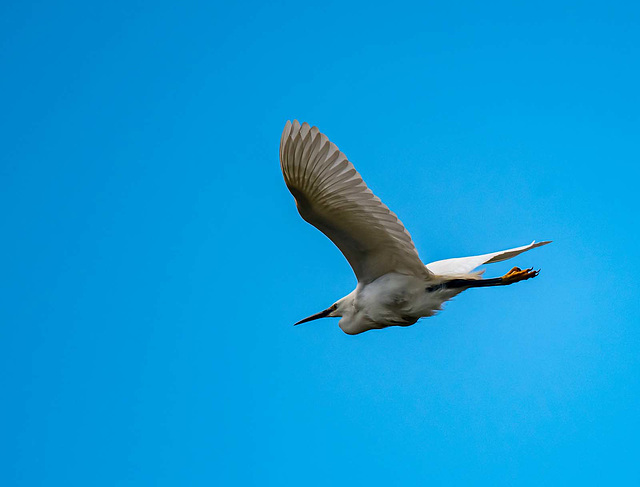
(516, 275)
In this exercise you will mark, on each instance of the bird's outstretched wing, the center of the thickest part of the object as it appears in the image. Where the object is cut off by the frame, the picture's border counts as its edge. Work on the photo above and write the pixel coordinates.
(464, 265)
(331, 195)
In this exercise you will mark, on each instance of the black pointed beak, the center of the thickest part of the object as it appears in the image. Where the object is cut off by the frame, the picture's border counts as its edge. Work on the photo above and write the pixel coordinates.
(322, 314)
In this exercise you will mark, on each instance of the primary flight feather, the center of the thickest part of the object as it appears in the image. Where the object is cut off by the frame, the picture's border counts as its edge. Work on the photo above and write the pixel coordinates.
(394, 286)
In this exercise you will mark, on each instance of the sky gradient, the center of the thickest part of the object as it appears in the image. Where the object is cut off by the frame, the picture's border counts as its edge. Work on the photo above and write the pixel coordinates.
(153, 261)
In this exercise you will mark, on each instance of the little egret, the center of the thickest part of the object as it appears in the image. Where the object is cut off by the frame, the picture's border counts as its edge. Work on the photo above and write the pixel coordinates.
(394, 287)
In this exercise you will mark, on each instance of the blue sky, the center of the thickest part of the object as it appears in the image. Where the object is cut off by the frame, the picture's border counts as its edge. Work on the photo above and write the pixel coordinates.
(153, 261)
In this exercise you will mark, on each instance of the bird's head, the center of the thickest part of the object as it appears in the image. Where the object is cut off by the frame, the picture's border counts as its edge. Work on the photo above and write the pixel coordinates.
(340, 308)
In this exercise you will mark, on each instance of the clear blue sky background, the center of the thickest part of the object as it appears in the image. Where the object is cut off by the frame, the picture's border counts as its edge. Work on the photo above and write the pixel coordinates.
(153, 261)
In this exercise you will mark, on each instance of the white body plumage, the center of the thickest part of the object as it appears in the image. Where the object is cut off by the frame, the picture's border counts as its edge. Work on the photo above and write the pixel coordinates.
(391, 300)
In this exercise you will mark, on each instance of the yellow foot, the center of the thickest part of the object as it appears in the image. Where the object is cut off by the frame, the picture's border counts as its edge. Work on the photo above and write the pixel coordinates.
(516, 275)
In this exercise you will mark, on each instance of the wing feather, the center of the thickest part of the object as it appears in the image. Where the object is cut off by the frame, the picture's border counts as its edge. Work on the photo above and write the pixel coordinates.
(331, 195)
(463, 265)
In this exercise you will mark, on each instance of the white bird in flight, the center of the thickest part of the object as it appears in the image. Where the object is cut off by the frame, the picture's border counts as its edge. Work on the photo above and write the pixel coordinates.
(394, 287)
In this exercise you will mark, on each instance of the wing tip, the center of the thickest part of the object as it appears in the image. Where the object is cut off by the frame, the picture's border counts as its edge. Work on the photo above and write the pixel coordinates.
(294, 126)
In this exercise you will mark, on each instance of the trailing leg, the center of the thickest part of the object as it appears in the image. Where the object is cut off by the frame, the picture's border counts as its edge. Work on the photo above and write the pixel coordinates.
(514, 275)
